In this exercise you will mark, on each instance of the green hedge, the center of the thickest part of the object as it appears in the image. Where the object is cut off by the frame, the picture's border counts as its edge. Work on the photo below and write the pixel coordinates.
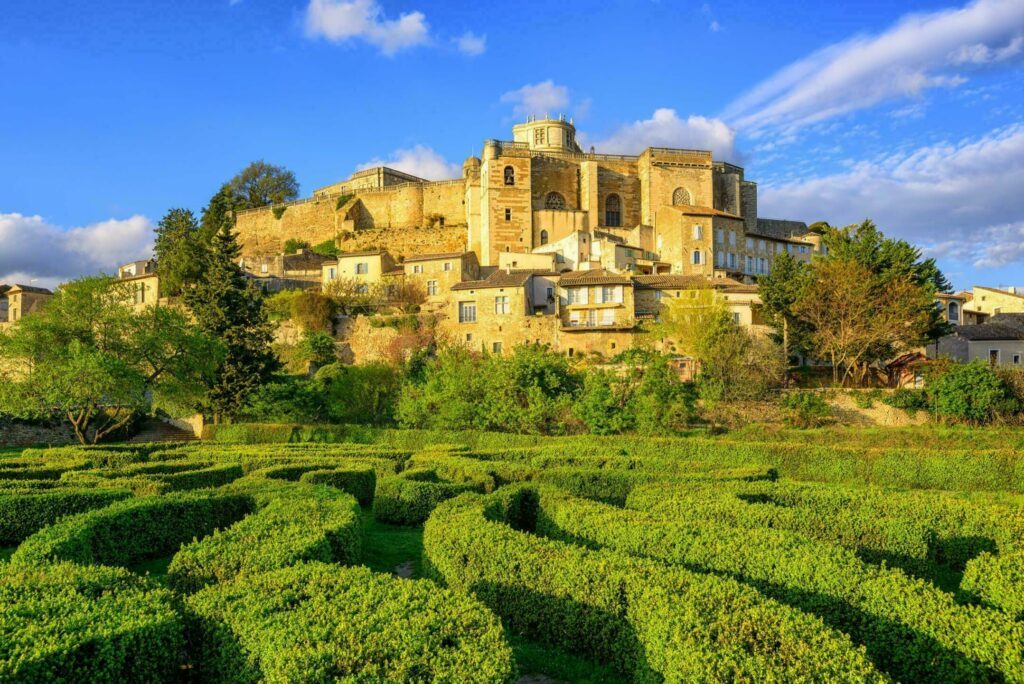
(24, 514)
(322, 623)
(214, 476)
(409, 498)
(68, 623)
(359, 482)
(652, 621)
(913, 631)
(998, 581)
(302, 522)
(127, 532)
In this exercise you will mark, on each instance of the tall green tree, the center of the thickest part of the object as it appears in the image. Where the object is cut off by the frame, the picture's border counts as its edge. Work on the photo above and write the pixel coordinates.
(179, 251)
(779, 291)
(230, 309)
(257, 185)
(92, 359)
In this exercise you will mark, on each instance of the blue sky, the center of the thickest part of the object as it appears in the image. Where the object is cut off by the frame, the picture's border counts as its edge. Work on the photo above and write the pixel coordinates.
(909, 113)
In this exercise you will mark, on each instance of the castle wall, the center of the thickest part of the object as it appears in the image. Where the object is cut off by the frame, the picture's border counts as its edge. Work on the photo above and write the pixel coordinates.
(447, 198)
(551, 174)
(619, 178)
(260, 233)
(395, 208)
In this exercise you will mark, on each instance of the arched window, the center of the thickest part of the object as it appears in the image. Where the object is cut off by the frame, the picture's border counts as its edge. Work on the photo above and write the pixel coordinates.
(554, 200)
(510, 176)
(613, 211)
(543, 237)
(954, 312)
(696, 257)
(681, 196)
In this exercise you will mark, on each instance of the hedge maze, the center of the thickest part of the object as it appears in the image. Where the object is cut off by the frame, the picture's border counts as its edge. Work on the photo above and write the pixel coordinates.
(679, 561)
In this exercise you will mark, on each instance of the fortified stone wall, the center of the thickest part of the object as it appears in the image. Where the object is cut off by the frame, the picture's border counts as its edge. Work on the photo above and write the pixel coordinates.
(447, 198)
(618, 178)
(551, 174)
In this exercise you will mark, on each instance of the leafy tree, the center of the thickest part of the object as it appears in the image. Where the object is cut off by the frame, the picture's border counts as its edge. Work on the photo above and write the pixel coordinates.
(354, 296)
(318, 348)
(407, 295)
(969, 393)
(257, 185)
(780, 290)
(364, 394)
(91, 358)
(313, 311)
(857, 317)
(685, 320)
(179, 251)
(226, 306)
(293, 245)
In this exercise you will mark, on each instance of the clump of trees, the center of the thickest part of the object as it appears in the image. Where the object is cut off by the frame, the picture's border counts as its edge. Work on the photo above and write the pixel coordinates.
(90, 358)
(866, 300)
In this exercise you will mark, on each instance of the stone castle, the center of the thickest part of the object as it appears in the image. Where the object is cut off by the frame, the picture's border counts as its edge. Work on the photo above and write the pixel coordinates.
(679, 210)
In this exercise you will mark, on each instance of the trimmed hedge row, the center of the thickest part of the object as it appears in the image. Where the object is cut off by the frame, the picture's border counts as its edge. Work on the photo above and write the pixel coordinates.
(302, 522)
(22, 514)
(359, 482)
(127, 532)
(345, 624)
(652, 621)
(998, 581)
(68, 623)
(913, 631)
(763, 505)
(409, 498)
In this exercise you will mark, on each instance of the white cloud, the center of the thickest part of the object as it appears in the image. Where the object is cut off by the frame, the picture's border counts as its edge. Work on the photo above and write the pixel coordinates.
(918, 53)
(37, 250)
(538, 99)
(961, 200)
(666, 129)
(340, 21)
(420, 161)
(471, 44)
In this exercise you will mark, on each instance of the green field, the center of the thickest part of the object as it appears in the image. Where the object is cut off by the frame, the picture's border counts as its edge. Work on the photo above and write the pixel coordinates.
(324, 553)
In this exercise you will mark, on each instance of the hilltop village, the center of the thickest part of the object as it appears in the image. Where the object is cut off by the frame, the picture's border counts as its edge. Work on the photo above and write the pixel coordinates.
(542, 242)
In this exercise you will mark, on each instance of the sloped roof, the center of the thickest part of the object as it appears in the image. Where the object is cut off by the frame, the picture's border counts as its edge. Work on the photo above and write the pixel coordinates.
(433, 257)
(497, 279)
(596, 276)
(29, 288)
(676, 281)
(779, 229)
(990, 331)
(696, 210)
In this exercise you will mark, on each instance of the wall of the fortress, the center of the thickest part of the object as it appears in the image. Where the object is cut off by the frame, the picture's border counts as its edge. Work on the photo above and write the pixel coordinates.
(260, 233)
(399, 208)
(551, 174)
(447, 199)
(619, 178)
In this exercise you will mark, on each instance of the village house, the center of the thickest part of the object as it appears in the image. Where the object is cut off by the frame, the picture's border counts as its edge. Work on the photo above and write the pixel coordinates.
(365, 269)
(142, 279)
(18, 301)
(273, 273)
(439, 273)
(999, 341)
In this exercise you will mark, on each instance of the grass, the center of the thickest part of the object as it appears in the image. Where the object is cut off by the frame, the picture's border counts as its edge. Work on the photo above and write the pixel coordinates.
(539, 659)
(387, 546)
(155, 568)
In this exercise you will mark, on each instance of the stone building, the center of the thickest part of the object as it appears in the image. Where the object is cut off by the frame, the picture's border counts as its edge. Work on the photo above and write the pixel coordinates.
(18, 301)
(662, 211)
(276, 272)
(999, 341)
(142, 280)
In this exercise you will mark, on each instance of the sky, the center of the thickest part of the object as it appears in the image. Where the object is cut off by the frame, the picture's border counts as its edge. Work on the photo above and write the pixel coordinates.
(908, 113)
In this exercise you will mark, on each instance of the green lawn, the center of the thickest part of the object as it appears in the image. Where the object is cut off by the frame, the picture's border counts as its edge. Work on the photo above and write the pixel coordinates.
(387, 546)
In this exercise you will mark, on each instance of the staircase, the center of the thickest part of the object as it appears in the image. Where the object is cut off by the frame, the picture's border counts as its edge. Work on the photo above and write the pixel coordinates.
(156, 430)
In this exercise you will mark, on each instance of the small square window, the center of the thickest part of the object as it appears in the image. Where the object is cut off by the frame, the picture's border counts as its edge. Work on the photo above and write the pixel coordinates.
(447, 265)
(496, 347)
(508, 214)
(1016, 359)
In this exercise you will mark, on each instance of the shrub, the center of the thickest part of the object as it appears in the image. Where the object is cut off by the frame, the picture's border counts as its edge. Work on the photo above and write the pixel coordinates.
(327, 248)
(313, 312)
(806, 409)
(299, 523)
(649, 620)
(998, 581)
(969, 393)
(910, 400)
(24, 514)
(129, 531)
(68, 623)
(409, 498)
(345, 624)
(359, 482)
(342, 201)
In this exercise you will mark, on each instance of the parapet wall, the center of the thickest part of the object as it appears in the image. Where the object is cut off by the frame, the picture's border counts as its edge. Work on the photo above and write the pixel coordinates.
(391, 219)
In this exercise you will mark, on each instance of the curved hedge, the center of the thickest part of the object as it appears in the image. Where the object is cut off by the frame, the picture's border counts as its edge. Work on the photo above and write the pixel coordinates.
(359, 482)
(22, 514)
(408, 498)
(912, 630)
(998, 581)
(650, 620)
(68, 623)
(303, 522)
(316, 622)
(129, 531)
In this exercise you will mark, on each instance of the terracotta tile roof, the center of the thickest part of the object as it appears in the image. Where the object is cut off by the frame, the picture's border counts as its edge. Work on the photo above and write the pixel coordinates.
(677, 281)
(433, 257)
(596, 276)
(369, 252)
(695, 210)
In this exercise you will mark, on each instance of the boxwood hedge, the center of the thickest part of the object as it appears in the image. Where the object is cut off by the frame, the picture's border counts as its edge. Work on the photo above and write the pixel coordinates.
(652, 621)
(24, 513)
(997, 580)
(913, 630)
(129, 531)
(317, 622)
(408, 498)
(359, 482)
(301, 522)
(65, 622)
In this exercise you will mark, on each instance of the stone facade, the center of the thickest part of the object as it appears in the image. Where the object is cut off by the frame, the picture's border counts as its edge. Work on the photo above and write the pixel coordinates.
(18, 301)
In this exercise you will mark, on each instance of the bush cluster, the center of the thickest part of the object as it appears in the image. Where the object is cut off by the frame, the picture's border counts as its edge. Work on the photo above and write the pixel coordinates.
(409, 498)
(22, 513)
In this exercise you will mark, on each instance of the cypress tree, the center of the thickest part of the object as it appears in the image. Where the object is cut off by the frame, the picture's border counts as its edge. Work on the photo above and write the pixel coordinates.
(226, 306)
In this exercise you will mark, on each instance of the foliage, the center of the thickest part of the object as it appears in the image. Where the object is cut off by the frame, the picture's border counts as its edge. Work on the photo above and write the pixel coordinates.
(806, 409)
(293, 245)
(355, 296)
(780, 290)
(367, 393)
(23, 514)
(313, 312)
(260, 184)
(907, 399)
(407, 295)
(179, 250)
(66, 623)
(970, 393)
(319, 348)
(342, 201)
(409, 498)
(346, 624)
(278, 212)
(89, 357)
(327, 248)
(225, 306)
